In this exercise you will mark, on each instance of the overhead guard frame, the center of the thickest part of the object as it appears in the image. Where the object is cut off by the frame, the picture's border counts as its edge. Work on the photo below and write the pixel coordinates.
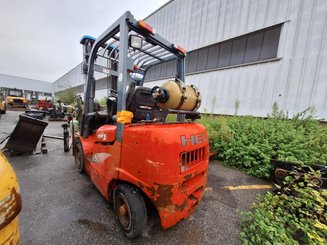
(125, 24)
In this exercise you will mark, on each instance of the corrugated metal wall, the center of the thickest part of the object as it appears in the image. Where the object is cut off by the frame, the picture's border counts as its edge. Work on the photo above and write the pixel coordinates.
(298, 80)
(295, 81)
(72, 78)
(8, 81)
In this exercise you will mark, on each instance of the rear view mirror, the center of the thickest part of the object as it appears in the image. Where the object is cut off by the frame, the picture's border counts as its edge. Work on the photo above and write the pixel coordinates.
(135, 41)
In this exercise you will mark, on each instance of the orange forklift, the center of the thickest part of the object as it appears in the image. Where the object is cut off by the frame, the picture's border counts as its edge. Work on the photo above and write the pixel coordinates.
(132, 154)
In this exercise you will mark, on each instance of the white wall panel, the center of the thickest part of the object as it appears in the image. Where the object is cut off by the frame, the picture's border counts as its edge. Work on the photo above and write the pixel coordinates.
(8, 81)
(70, 79)
(296, 81)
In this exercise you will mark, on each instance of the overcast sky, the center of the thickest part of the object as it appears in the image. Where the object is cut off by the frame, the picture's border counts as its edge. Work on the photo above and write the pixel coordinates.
(39, 39)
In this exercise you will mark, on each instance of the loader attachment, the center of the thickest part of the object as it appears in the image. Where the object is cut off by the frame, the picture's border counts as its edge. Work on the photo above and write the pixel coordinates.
(282, 169)
(26, 135)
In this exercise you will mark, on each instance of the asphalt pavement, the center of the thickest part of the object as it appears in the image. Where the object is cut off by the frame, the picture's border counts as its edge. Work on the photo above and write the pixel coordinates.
(61, 206)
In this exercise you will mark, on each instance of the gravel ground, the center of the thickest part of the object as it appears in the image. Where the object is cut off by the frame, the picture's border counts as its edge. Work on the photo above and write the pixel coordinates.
(61, 206)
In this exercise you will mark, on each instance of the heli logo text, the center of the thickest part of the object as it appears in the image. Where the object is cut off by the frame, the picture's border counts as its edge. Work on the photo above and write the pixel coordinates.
(193, 139)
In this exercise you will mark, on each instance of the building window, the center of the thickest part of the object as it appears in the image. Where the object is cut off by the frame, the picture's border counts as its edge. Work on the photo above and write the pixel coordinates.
(253, 47)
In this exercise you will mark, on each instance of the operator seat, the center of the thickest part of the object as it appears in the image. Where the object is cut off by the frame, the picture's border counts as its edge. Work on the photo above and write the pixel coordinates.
(142, 106)
(111, 106)
(98, 117)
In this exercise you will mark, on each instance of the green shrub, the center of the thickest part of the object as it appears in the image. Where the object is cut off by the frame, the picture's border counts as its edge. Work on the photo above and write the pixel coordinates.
(103, 101)
(249, 143)
(67, 96)
(300, 218)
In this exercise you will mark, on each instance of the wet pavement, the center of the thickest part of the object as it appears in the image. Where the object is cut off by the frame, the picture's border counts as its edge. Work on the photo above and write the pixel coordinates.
(61, 206)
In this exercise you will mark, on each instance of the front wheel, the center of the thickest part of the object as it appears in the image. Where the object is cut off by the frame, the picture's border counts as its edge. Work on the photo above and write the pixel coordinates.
(66, 144)
(130, 209)
(66, 140)
(79, 156)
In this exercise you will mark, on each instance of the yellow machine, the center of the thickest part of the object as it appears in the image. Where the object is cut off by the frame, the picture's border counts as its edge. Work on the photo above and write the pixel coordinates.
(3, 106)
(10, 203)
(15, 99)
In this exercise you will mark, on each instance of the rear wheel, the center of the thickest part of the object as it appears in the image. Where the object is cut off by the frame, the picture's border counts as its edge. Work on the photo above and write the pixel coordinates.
(316, 180)
(79, 156)
(130, 209)
(280, 175)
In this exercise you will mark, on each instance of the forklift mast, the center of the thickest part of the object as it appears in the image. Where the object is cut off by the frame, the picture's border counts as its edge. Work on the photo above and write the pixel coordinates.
(114, 46)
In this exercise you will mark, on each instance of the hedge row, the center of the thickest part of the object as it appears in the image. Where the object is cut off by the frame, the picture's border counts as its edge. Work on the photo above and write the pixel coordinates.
(249, 143)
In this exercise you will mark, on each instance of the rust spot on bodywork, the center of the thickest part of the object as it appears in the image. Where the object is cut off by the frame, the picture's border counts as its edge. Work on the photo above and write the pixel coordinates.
(188, 176)
(174, 202)
(161, 195)
(147, 189)
(140, 185)
(182, 206)
(163, 200)
(89, 157)
(164, 194)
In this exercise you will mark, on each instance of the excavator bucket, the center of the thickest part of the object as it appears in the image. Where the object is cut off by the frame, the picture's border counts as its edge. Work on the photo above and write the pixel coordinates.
(26, 135)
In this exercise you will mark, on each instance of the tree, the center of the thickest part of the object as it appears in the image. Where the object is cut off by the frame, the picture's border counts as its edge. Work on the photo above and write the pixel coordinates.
(67, 96)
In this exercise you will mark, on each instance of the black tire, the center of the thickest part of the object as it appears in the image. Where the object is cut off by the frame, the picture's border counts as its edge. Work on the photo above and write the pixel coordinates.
(66, 142)
(280, 175)
(66, 145)
(130, 209)
(316, 180)
(79, 156)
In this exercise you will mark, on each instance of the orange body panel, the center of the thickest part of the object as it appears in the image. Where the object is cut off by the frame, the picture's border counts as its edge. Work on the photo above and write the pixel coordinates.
(168, 162)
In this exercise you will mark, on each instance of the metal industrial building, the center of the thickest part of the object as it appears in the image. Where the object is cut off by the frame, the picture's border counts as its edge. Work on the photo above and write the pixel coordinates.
(244, 55)
(31, 87)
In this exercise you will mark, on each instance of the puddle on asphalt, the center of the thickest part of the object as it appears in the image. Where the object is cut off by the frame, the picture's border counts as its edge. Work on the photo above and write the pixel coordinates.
(95, 226)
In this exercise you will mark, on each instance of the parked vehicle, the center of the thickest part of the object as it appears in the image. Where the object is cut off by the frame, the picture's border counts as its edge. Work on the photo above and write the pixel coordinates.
(16, 99)
(44, 104)
(282, 169)
(3, 105)
(131, 153)
(10, 203)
